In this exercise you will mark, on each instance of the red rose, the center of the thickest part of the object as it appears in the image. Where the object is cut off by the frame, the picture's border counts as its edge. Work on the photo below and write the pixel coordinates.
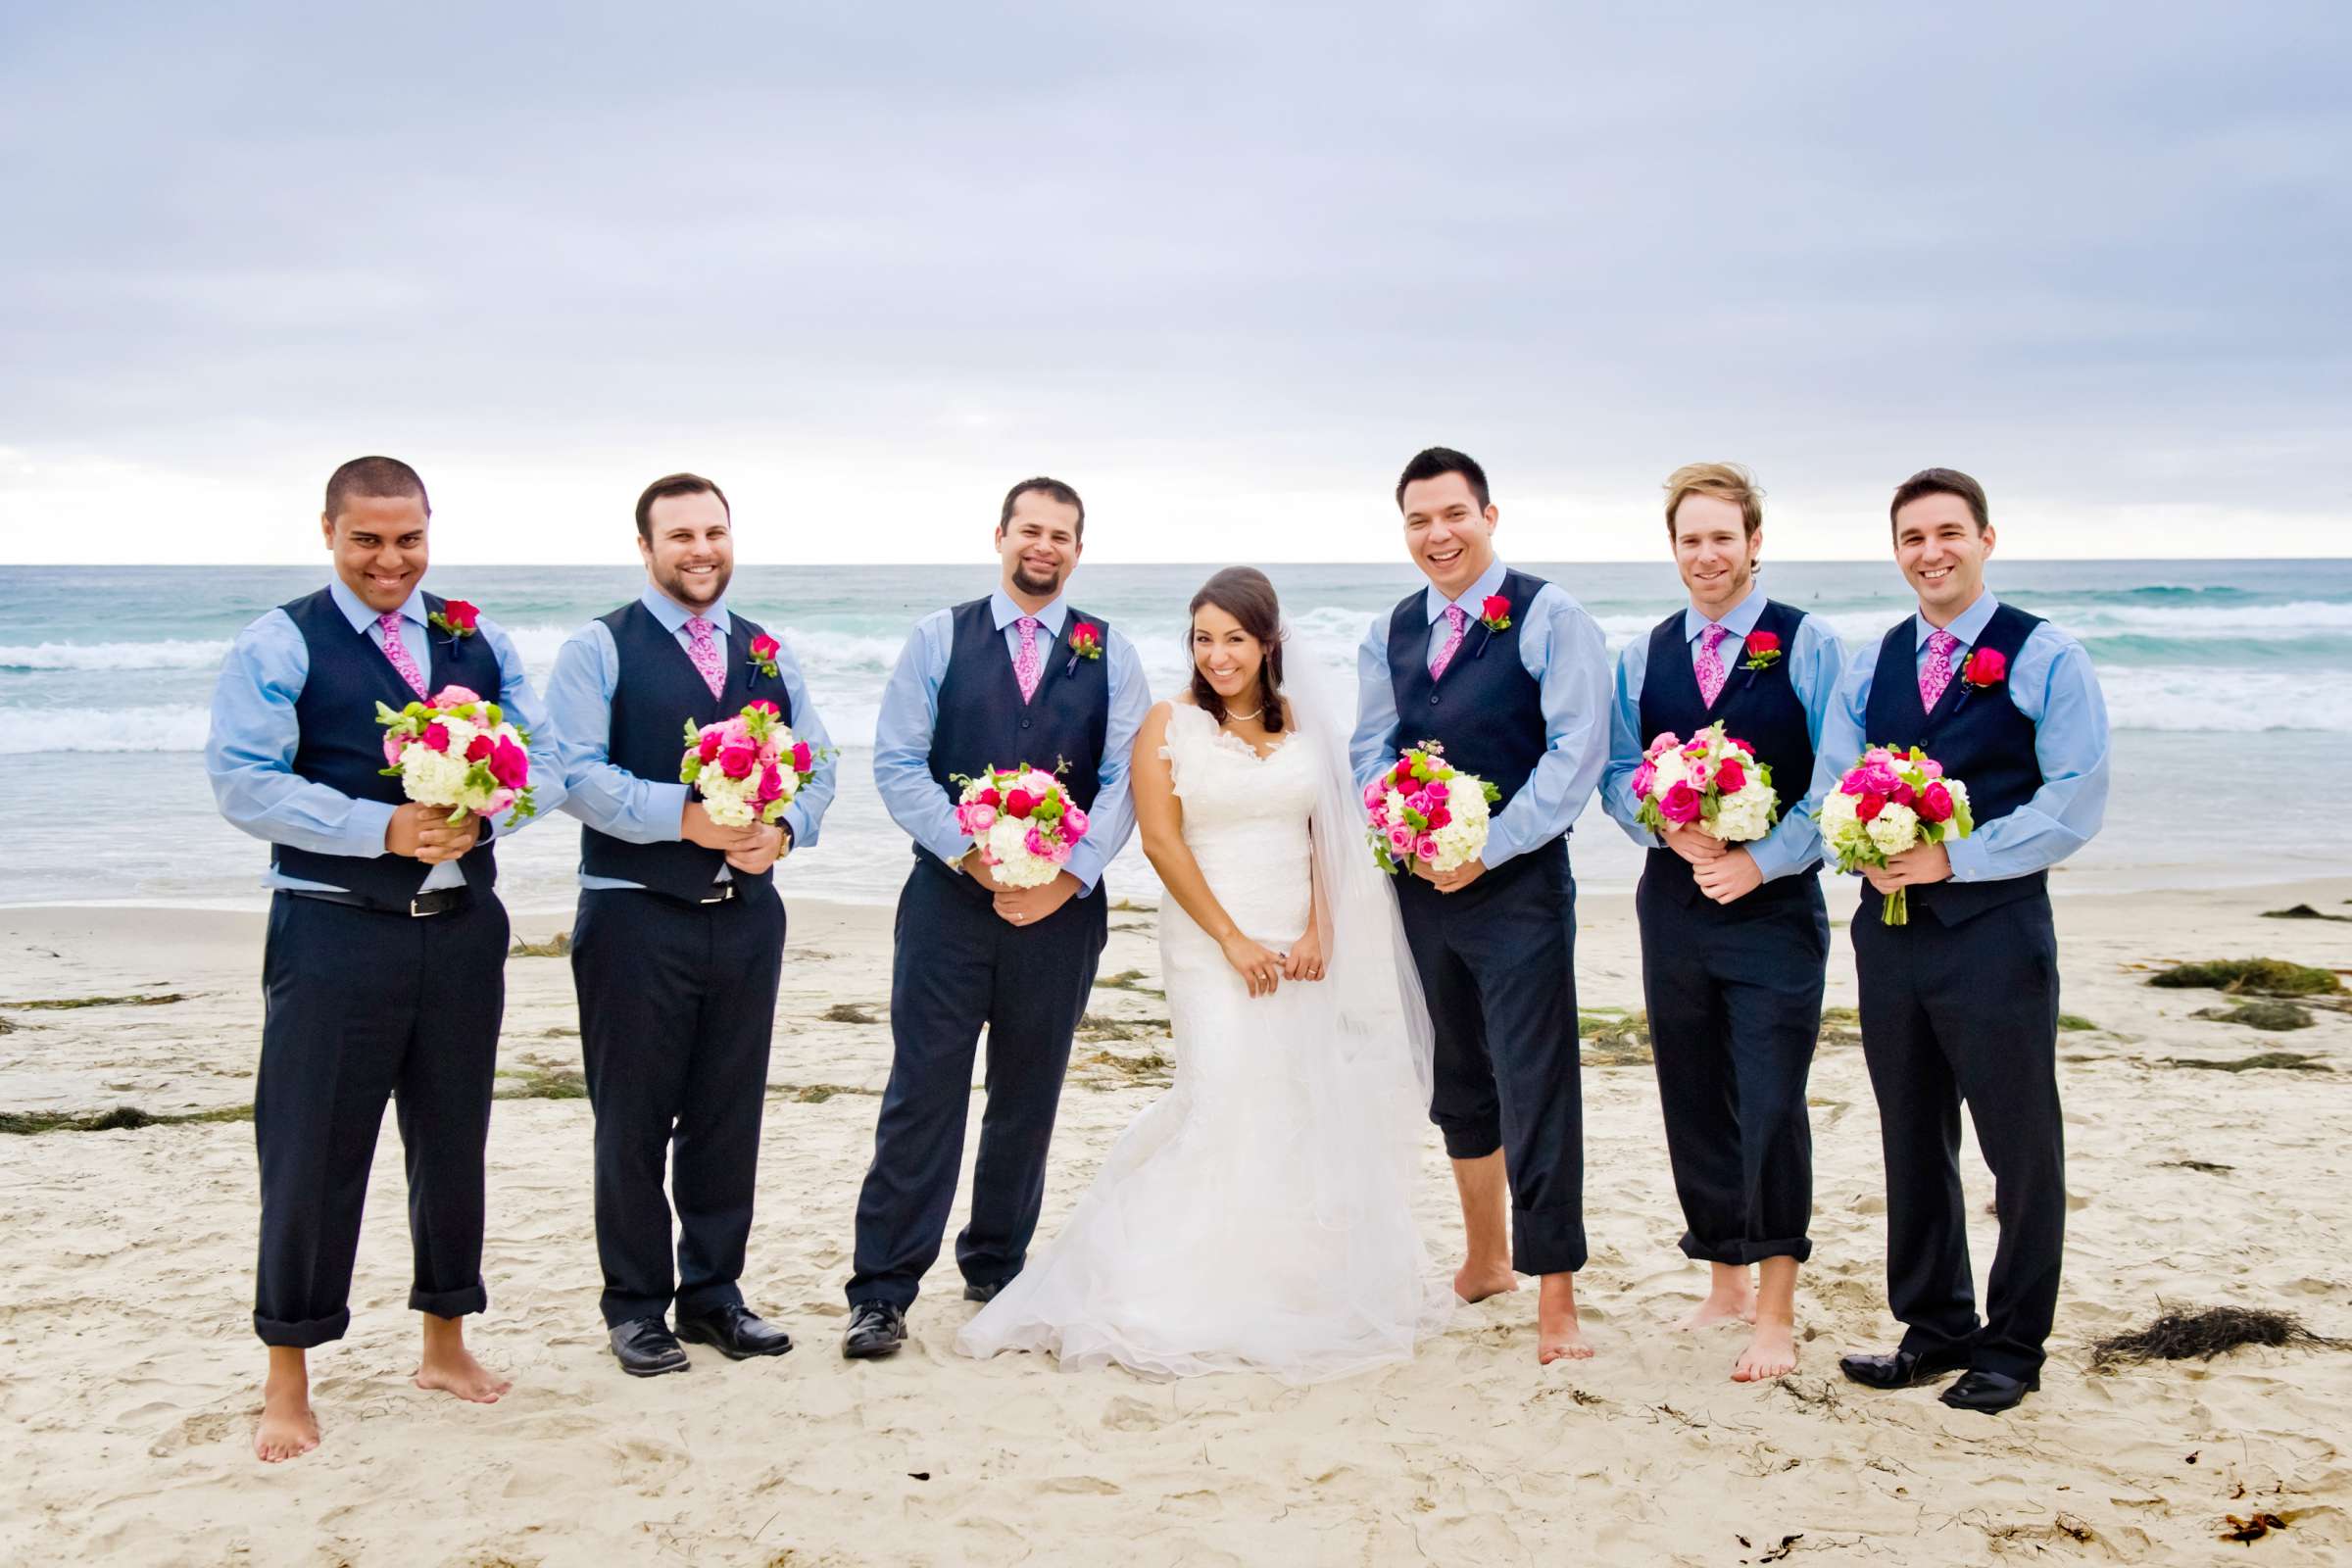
(510, 764)
(1494, 608)
(1438, 815)
(761, 703)
(1903, 795)
(1936, 804)
(708, 747)
(737, 762)
(1729, 777)
(479, 749)
(1763, 641)
(461, 614)
(1984, 667)
(764, 646)
(1403, 775)
(1870, 805)
(1020, 802)
(1086, 631)
(803, 757)
(436, 736)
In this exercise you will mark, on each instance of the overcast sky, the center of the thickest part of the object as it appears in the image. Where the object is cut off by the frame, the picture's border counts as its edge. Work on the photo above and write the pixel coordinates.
(1222, 267)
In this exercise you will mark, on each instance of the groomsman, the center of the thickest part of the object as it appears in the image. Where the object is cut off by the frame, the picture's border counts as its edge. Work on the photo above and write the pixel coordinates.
(1510, 675)
(1734, 938)
(679, 939)
(993, 683)
(383, 977)
(1961, 1004)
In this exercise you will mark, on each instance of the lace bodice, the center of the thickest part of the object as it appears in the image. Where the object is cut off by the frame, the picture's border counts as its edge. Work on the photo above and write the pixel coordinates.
(1246, 820)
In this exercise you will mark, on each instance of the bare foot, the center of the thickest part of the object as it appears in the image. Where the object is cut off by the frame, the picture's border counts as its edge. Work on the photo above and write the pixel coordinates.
(1717, 1309)
(1771, 1352)
(1475, 1282)
(1558, 1336)
(457, 1372)
(287, 1428)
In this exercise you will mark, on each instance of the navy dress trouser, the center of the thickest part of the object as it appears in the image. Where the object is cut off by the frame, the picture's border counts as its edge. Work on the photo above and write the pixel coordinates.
(1968, 1012)
(677, 1012)
(957, 967)
(1734, 994)
(1498, 966)
(360, 1007)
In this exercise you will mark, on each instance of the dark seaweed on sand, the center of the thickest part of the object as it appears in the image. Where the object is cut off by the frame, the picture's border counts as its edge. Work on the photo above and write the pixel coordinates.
(2178, 1336)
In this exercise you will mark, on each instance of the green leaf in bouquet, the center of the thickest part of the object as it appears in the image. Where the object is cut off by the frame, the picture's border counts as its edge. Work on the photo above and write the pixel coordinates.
(415, 710)
(1492, 792)
(694, 732)
(496, 717)
(387, 772)
(1964, 821)
(689, 769)
(385, 715)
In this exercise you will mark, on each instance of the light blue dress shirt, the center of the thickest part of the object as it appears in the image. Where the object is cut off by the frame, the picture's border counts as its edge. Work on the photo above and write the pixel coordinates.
(1815, 659)
(910, 712)
(1563, 649)
(2052, 683)
(249, 754)
(644, 810)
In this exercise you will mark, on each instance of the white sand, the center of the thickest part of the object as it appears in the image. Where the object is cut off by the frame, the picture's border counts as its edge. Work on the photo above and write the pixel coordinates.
(132, 1374)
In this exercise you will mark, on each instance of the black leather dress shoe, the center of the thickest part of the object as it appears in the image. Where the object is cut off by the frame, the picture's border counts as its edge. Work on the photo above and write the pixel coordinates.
(985, 1292)
(736, 1330)
(876, 1329)
(646, 1349)
(1990, 1392)
(1903, 1368)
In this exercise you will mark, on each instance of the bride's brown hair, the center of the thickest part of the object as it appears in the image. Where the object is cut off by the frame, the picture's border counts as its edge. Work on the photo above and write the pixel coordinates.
(1245, 594)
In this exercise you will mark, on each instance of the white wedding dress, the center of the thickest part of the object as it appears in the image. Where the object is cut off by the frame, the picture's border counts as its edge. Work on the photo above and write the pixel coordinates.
(1259, 1216)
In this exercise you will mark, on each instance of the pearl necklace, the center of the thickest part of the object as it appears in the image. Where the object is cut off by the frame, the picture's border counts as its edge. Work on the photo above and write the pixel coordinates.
(1244, 719)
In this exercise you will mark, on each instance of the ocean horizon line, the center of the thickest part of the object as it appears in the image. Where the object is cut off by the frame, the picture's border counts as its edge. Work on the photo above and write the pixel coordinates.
(2017, 557)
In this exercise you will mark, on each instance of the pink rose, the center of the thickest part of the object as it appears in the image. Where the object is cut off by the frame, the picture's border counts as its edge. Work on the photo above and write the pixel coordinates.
(1035, 844)
(1425, 847)
(1931, 767)
(1644, 777)
(1073, 824)
(1870, 805)
(1936, 804)
(1729, 777)
(453, 697)
(393, 742)
(737, 760)
(1851, 784)
(1059, 855)
(436, 736)
(707, 747)
(1401, 839)
(1375, 793)
(1680, 805)
(979, 819)
(1902, 794)
(771, 785)
(499, 799)
(510, 764)
(1665, 743)
(1020, 802)
(1880, 780)
(479, 749)
(1701, 773)
(803, 756)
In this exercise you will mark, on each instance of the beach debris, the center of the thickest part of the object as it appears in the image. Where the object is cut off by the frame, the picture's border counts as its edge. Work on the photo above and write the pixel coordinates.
(2252, 1530)
(2205, 1165)
(2252, 977)
(2264, 1061)
(2275, 1016)
(1097, 1028)
(1615, 1039)
(815, 1093)
(1129, 980)
(849, 1012)
(2074, 1021)
(2304, 911)
(136, 1000)
(25, 1123)
(542, 1083)
(2178, 1336)
(555, 947)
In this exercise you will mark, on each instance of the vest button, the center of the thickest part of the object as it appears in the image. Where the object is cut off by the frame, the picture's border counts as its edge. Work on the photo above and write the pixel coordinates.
(1025, 723)
(1433, 699)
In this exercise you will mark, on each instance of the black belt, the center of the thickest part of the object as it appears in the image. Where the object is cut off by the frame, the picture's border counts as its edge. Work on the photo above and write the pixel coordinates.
(440, 901)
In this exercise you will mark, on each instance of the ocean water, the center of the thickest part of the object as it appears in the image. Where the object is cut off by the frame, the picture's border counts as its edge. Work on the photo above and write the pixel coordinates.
(2216, 673)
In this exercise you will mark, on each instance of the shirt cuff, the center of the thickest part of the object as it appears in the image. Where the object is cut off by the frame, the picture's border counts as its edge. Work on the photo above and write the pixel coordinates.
(665, 812)
(364, 833)
(797, 823)
(1772, 857)
(1971, 860)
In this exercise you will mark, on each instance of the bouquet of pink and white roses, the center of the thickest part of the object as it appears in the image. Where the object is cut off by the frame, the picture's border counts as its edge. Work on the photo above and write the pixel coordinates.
(456, 750)
(1888, 803)
(747, 768)
(1024, 821)
(1710, 780)
(1424, 809)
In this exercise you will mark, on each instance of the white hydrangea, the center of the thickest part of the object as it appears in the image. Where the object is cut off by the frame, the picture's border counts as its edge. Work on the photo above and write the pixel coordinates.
(1744, 816)
(1463, 838)
(435, 778)
(1894, 829)
(1016, 867)
(728, 800)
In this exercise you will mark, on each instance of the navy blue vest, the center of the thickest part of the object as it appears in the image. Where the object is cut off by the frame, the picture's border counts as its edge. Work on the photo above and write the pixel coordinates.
(342, 745)
(657, 692)
(1487, 711)
(1981, 739)
(981, 721)
(1760, 707)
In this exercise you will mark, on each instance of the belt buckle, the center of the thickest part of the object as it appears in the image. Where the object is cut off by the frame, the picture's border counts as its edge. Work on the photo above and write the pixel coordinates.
(416, 913)
(722, 895)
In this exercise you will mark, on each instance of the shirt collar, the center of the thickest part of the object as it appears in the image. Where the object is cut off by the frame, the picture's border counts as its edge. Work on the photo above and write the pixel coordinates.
(354, 609)
(1968, 625)
(1052, 616)
(673, 615)
(1738, 621)
(1490, 583)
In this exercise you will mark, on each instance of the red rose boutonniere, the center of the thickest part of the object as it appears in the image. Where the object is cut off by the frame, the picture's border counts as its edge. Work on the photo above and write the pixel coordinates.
(1983, 670)
(1495, 613)
(1086, 642)
(455, 616)
(764, 655)
(1763, 650)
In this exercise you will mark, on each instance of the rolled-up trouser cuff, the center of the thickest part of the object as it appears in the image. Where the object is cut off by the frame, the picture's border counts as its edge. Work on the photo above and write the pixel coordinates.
(450, 1303)
(1799, 1247)
(304, 1335)
(1548, 1241)
(1475, 1139)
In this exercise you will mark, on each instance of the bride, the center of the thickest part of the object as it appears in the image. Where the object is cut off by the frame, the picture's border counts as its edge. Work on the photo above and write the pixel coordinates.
(1258, 1216)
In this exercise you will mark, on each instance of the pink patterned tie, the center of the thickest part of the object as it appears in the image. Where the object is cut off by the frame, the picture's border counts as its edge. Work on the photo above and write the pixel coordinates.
(398, 651)
(1937, 673)
(704, 650)
(1457, 621)
(1025, 664)
(1709, 668)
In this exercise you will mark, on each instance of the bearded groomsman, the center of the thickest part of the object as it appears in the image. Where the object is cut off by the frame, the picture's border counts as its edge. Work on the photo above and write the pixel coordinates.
(384, 971)
(1510, 675)
(1961, 1004)
(993, 683)
(679, 939)
(1734, 938)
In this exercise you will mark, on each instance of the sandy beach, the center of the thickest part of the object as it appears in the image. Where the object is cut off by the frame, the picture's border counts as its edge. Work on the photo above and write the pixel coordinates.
(133, 1373)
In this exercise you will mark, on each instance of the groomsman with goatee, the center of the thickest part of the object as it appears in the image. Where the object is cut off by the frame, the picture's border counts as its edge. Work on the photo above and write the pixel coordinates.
(678, 944)
(384, 973)
(1960, 1005)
